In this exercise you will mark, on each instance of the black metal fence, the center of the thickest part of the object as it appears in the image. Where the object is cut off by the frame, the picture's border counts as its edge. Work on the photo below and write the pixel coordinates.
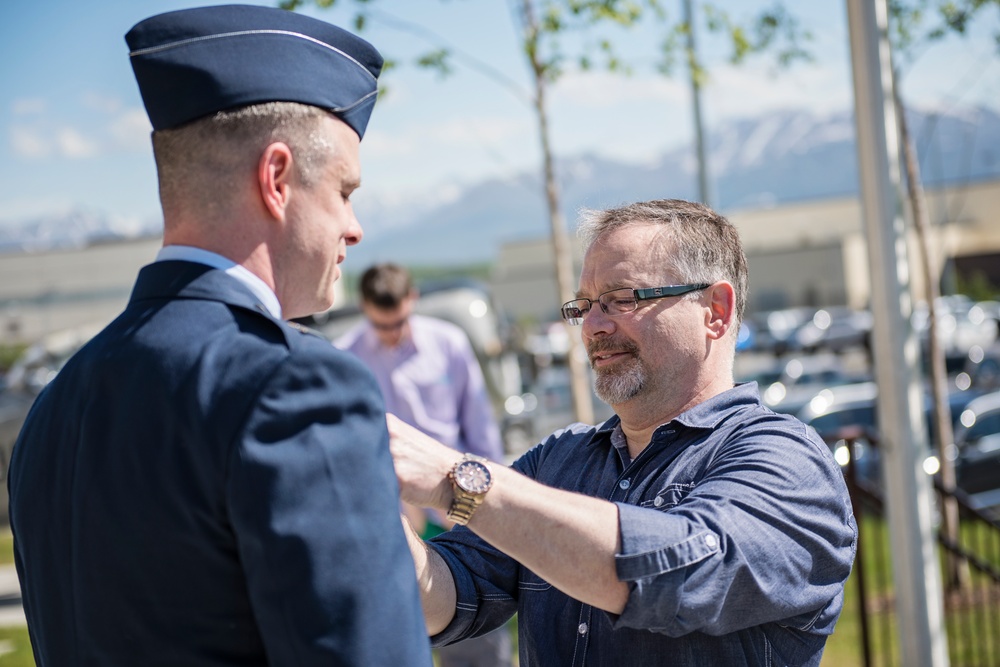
(970, 569)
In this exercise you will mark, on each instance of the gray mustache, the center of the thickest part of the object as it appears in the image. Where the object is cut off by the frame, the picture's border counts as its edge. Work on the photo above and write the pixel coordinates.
(600, 346)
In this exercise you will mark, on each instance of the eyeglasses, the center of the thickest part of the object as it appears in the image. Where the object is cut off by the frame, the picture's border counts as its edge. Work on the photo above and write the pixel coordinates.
(623, 300)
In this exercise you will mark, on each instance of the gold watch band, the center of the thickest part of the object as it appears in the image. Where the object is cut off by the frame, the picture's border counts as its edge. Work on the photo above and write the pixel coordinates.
(462, 507)
(466, 500)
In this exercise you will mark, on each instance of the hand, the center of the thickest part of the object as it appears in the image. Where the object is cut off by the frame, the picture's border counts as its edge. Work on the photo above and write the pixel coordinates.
(422, 465)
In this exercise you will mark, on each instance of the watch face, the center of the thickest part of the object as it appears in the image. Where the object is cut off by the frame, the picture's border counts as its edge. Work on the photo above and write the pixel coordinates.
(473, 477)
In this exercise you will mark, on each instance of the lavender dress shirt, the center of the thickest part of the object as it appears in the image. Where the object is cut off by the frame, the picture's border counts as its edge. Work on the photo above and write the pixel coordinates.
(432, 381)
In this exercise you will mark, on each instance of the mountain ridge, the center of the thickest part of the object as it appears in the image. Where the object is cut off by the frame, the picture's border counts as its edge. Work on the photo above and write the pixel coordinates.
(781, 157)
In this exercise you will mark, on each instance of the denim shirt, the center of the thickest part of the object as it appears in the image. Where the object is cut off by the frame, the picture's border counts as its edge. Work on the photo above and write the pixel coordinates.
(737, 537)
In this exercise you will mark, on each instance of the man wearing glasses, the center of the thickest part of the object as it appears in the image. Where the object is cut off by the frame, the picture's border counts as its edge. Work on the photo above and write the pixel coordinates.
(694, 527)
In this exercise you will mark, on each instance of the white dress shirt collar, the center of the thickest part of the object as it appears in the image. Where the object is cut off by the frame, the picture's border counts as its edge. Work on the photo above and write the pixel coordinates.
(200, 256)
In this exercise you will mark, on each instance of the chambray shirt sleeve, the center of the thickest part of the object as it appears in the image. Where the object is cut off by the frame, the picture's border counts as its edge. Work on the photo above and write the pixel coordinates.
(486, 579)
(485, 584)
(766, 535)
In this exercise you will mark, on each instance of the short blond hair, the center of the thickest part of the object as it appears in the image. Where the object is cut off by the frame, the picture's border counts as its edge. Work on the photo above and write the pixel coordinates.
(203, 161)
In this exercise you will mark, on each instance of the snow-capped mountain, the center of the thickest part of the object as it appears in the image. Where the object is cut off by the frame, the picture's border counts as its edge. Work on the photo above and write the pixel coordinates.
(75, 229)
(781, 157)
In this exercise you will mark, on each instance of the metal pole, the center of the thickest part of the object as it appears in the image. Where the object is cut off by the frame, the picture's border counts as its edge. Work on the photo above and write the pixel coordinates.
(916, 573)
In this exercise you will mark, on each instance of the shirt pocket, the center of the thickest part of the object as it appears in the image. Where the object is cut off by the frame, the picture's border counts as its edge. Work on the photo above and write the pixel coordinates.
(669, 496)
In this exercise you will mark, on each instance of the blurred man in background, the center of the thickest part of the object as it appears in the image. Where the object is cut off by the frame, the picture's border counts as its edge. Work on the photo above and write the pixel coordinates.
(430, 378)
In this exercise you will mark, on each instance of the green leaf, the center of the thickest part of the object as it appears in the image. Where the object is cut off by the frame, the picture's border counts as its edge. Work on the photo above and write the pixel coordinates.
(436, 60)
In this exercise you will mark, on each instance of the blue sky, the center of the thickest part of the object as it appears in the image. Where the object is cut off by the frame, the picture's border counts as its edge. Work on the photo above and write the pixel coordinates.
(73, 134)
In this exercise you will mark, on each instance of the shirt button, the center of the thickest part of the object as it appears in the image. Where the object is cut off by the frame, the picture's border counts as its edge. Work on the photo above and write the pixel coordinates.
(624, 484)
(711, 541)
(657, 501)
(582, 629)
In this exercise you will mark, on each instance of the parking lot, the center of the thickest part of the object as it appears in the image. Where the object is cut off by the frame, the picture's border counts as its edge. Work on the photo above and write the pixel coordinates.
(826, 385)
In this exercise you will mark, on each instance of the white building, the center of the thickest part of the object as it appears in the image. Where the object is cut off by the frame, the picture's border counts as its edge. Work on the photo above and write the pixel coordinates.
(811, 253)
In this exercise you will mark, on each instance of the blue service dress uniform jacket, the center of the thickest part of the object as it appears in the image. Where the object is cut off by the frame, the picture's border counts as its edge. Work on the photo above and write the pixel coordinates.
(203, 484)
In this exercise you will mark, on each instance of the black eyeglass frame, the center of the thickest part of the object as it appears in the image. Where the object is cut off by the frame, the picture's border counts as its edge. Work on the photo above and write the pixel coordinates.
(639, 294)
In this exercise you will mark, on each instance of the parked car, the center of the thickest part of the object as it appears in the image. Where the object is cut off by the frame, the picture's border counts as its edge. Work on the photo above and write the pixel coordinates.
(977, 455)
(981, 368)
(746, 337)
(835, 408)
(775, 329)
(546, 407)
(961, 326)
(988, 313)
(835, 329)
(14, 406)
(35, 368)
(802, 377)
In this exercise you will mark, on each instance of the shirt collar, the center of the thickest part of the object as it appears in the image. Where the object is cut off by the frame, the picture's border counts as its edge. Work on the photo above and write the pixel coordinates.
(707, 415)
(259, 288)
(710, 413)
(411, 342)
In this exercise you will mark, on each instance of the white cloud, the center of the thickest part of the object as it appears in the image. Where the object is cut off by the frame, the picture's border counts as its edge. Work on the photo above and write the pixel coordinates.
(130, 130)
(755, 88)
(28, 106)
(29, 143)
(104, 103)
(444, 136)
(630, 118)
(605, 90)
(380, 145)
(72, 144)
(486, 131)
(36, 143)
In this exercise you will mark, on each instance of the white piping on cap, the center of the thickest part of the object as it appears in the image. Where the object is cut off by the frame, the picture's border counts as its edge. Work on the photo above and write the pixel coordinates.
(241, 33)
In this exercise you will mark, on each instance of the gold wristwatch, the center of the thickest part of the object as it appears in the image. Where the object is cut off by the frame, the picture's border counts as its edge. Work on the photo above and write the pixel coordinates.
(470, 480)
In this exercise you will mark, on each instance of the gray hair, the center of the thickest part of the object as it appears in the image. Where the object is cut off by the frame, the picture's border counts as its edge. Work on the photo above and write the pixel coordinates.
(699, 245)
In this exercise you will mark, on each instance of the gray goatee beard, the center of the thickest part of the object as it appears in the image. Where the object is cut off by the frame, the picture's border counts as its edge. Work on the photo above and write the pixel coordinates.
(622, 382)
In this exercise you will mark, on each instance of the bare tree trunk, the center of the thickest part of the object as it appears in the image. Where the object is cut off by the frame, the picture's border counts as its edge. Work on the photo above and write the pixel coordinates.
(695, 76)
(576, 357)
(956, 574)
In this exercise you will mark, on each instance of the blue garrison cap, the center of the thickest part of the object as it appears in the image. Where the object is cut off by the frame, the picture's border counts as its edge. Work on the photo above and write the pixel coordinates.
(194, 62)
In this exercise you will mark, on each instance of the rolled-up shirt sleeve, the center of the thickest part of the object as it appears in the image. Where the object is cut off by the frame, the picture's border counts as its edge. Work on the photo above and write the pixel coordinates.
(485, 584)
(487, 581)
(766, 534)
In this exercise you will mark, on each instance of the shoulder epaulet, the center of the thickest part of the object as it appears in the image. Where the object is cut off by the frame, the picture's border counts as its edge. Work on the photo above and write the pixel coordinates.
(306, 330)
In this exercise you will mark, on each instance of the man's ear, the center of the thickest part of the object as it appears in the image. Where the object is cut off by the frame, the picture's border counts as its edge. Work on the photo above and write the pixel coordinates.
(274, 173)
(721, 309)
